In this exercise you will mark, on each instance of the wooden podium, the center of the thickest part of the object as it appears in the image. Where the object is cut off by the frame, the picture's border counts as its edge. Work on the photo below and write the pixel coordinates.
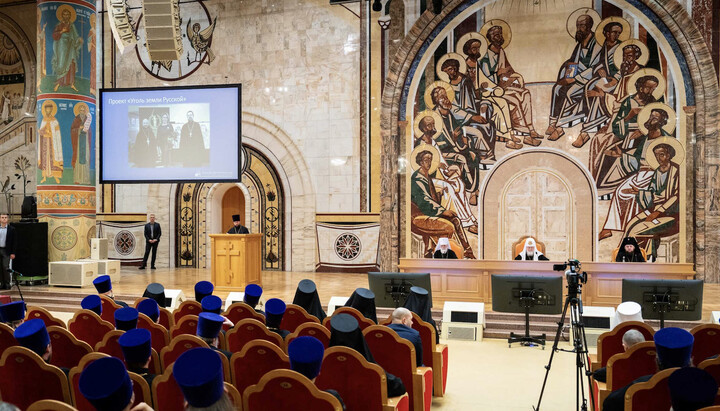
(236, 259)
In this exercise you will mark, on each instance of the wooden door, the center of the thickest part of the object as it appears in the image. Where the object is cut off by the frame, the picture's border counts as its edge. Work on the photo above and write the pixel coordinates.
(233, 202)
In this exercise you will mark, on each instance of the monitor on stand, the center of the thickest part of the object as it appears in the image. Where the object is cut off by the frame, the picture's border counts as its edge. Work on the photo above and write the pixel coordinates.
(392, 289)
(665, 299)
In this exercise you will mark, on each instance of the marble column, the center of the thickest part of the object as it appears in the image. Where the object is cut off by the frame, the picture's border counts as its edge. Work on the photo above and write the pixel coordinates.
(66, 122)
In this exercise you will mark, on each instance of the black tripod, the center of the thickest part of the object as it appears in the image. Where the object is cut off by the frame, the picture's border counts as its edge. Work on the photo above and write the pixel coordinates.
(527, 301)
(579, 341)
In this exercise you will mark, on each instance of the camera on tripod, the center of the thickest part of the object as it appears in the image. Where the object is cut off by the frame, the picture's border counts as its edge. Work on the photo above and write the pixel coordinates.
(574, 276)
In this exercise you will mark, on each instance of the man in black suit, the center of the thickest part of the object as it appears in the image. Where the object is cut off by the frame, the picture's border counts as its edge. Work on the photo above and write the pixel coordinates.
(237, 228)
(152, 237)
(7, 251)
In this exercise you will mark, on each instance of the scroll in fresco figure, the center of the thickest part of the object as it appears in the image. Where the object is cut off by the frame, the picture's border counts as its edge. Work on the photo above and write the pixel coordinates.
(81, 136)
(566, 106)
(66, 48)
(50, 159)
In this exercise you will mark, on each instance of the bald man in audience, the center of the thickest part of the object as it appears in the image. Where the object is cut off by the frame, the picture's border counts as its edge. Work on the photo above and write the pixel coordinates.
(630, 338)
(402, 321)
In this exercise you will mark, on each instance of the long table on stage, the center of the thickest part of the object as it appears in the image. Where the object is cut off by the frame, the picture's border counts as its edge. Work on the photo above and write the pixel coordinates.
(469, 280)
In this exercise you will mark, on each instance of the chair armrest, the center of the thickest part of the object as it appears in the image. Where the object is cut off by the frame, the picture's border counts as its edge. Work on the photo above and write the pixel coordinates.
(594, 364)
(401, 403)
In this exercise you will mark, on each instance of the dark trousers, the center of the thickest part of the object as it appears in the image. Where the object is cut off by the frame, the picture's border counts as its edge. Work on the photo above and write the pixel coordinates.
(5, 278)
(150, 246)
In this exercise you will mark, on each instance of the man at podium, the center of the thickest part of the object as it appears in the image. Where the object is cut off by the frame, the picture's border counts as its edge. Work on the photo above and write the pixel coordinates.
(237, 228)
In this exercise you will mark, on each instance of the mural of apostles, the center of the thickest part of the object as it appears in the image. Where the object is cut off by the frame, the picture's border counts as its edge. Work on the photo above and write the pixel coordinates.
(50, 155)
(610, 91)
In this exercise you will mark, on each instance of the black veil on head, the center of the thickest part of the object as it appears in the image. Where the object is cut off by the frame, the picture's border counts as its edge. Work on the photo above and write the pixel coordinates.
(345, 331)
(419, 302)
(306, 296)
(156, 291)
(363, 300)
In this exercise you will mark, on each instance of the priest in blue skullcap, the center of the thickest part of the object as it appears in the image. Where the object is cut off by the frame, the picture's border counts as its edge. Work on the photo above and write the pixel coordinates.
(274, 312)
(33, 335)
(211, 304)
(199, 373)
(126, 318)
(692, 389)
(105, 383)
(12, 314)
(103, 285)
(136, 346)
(93, 303)
(208, 328)
(306, 356)
(150, 308)
(673, 348)
(156, 291)
(203, 289)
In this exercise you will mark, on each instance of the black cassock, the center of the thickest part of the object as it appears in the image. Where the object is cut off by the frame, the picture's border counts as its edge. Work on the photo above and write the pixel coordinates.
(238, 230)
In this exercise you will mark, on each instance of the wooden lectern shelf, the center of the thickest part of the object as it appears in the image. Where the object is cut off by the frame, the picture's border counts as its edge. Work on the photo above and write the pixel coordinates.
(236, 260)
(469, 280)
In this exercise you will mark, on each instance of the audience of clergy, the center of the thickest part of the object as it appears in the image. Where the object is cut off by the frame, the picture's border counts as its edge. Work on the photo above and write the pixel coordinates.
(363, 300)
(13, 314)
(150, 308)
(402, 321)
(212, 304)
(692, 389)
(208, 328)
(103, 285)
(199, 374)
(306, 357)
(93, 303)
(33, 335)
(156, 291)
(136, 347)
(126, 318)
(443, 250)
(306, 296)
(274, 312)
(203, 289)
(419, 302)
(629, 251)
(252, 295)
(530, 252)
(630, 338)
(105, 383)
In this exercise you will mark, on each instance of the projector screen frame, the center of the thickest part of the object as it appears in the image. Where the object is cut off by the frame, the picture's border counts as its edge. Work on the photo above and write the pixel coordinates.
(100, 140)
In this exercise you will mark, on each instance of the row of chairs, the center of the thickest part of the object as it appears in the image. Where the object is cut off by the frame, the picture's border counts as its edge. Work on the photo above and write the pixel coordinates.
(655, 393)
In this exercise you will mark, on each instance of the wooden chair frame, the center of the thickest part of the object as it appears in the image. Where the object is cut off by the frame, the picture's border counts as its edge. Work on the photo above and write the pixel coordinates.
(184, 309)
(160, 379)
(601, 359)
(183, 338)
(709, 329)
(254, 314)
(298, 378)
(110, 338)
(656, 379)
(7, 330)
(50, 405)
(43, 314)
(175, 331)
(55, 329)
(139, 381)
(291, 312)
(160, 335)
(78, 369)
(234, 395)
(619, 358)
(108, 314)
(76, 318)
(239, 356)
(166, 318)
(32, 356)
(272, 337)
(311, 328)
(362, 321)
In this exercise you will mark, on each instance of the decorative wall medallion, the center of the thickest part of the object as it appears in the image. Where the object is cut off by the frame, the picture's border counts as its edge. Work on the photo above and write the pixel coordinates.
(347, 246)
(124, 242)
(64, 238)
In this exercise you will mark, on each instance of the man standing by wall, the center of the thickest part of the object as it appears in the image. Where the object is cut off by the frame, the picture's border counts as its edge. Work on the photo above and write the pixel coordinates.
(7, 251)
(152, 237)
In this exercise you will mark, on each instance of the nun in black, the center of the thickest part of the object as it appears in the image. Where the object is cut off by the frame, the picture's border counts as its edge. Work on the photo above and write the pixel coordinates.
(629, 251)
(363, 300)
(419, 302)
(156, 291)
(345, 331)
(306, 296)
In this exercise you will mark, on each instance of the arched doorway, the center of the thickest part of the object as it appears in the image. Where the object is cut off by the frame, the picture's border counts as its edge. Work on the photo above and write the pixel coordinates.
(233, 203)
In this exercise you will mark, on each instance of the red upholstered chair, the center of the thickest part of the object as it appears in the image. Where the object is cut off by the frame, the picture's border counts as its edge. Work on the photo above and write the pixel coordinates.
(67, 351)
(310, 330)
(256, 359)
(713, 367)
(110, 346)
(141, 389)
(189, 307)
(240, 311)
(89, 327)
(362, 321)
(651, 395)
(166, 318)
(707, 342)
(7, 337)
(361, 385)
(43, 314)
(434, 355)
(166, 392)
(610, 343)
(50, 405)
(284, 390)
(186, 325)
(247, 330)
(397, 356)
(25, 378)
(294, 317)
(179, 345)
(108, 308)
(159, 334)
(624, 368)
(78, 400)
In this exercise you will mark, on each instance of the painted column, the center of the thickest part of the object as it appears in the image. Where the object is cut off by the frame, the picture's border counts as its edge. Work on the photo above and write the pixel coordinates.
(66, 125)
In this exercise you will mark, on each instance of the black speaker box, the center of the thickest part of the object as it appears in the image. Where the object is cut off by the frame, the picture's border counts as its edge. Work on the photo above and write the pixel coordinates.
(31, 253)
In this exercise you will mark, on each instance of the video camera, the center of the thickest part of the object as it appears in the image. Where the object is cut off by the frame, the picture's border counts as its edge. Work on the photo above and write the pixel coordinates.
(574, 276)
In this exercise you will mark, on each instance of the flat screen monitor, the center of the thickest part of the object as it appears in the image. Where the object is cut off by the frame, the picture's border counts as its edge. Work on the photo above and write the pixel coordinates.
(684, 298)
(170, 134)
(391, 289)
(508, 290)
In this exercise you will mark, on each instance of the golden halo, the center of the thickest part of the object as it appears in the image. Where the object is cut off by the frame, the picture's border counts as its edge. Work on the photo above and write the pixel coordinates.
(428, 92)
(73, 14)
(49, 103)
(507, 32)
(644, 52)
(77, 108)
(572, 19)
(425, 113)
(671, 141)
(645, 114)
(435, 160)
(443, 75)
(473, 35)
(659, 90)
(600, 36)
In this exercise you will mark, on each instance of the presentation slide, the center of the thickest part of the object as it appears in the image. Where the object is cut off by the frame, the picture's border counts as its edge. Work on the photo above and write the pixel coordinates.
(170, 134)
